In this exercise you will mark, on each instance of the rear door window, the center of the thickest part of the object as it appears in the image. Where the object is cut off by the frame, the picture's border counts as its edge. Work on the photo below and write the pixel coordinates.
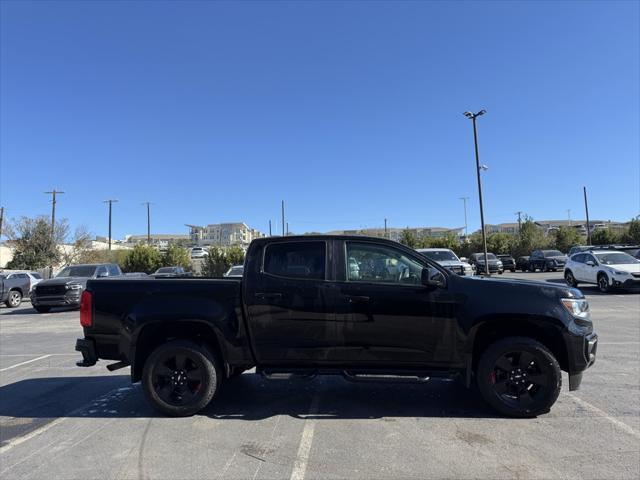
(296, 260)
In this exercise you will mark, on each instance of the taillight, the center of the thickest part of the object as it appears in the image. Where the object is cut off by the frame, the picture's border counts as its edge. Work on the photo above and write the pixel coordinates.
(86, 309)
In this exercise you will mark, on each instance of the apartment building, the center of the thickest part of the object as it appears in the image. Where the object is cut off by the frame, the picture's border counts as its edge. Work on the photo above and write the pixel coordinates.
(395, 234)
(160, 240)
(223, 234)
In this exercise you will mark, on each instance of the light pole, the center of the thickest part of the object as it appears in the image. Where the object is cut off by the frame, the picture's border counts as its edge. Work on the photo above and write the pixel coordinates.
(148, 222)
(110, 202)
(586, 210)
(479, 167)
(464, 200)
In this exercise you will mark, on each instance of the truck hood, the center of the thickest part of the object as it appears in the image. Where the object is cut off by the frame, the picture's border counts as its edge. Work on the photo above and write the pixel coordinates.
(63, 281)
(545, 288)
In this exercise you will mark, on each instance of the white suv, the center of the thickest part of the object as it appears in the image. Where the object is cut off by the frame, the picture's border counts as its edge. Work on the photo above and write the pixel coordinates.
(605, 268)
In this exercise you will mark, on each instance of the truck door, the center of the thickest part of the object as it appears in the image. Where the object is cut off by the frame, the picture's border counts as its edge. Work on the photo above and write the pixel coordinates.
(386, 317)
(290, 303)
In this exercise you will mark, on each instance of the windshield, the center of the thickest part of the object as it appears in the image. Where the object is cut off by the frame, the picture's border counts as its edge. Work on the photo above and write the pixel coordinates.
(480, 256)
(553, 253)
(78, 271)
(165, 270)
(618, 258)
(440, 255)
(36, 275)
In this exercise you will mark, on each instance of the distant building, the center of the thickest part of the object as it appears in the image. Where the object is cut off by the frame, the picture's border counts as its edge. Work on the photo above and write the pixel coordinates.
(223, 234)
(160, 240)
(396, 233)
(550, 226)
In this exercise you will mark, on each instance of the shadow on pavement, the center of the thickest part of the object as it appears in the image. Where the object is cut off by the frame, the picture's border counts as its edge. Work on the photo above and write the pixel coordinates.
(29, 310)
(248, 397)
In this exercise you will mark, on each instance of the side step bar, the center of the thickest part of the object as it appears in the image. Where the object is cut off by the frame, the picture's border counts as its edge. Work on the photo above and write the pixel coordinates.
(362, 376)
(386, 378)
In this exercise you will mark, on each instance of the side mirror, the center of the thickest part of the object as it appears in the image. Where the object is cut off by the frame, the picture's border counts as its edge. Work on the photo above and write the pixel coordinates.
(432, 277)
(590, 263)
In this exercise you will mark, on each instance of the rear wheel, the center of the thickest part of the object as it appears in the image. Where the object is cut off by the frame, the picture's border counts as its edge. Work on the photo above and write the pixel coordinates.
(14, 299)
(519, 377)
(570, 279)
(603, 283)
(180, 378)
(43, 309)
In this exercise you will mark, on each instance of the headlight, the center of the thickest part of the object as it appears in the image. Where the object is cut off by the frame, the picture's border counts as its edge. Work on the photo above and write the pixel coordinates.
(616, 272)
(74, 286)
(578, 307)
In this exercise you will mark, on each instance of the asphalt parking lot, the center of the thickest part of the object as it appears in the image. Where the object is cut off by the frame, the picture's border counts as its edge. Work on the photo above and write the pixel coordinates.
(61, 421)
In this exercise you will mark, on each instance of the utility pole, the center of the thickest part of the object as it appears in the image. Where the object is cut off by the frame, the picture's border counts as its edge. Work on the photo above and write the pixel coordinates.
(464, 201)
(269, 227)
(148, 222)
(110, 201)
(283, 218)
(1, 219)
(385, 228)
(586, 209)
(472, 117)
(569, 216)
(53, 193)
(287, 229)
(519, 221)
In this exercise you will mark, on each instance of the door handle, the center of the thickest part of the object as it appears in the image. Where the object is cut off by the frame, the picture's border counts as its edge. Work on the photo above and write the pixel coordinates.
(268, 296)
(357, 298)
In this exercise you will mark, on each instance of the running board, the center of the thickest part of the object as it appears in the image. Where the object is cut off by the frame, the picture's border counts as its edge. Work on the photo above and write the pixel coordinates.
(384, 378)
(275, 375)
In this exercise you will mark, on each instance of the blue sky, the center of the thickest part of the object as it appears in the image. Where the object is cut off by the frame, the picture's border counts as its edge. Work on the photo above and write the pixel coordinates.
(349, 111)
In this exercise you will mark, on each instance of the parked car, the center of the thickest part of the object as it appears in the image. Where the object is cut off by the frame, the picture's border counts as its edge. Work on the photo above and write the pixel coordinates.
(547, 260)
(64, 290)
(34, 277)
(300, 309)
(171, 272)
(135, 274)
(606, 268)
(477, 260)
(508, 262)
(199, 252)
(522, 263)
(14, 289)
(447, 259)
(235, 271)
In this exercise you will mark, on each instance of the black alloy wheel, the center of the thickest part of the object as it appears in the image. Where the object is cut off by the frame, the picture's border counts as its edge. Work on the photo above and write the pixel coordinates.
(519, 377)
(180, 378)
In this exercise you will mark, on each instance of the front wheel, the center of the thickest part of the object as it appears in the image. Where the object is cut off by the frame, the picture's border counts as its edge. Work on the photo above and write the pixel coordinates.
(14, 299)
(603, 283)
(180, 378)
(519, 377)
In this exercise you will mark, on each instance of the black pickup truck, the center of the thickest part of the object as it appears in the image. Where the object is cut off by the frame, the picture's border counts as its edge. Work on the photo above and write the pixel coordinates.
(365, 308)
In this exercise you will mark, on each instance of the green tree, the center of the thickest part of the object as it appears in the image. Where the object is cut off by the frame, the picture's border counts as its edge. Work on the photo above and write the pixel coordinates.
(235, 255)
(604, 236)
(409, 238)
(143, 258)
(176, 256)
(34, 246)
(632, 235)
(216, 263)
(500, 243)
(531, 238)
(567, 237)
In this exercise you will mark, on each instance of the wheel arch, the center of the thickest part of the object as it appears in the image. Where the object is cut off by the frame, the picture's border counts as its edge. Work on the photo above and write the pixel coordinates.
(155, 334)
(546, 330)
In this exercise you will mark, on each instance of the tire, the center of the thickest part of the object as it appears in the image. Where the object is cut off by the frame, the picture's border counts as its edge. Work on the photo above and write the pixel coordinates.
(512, 270)
(180, 378)
(505, 373)
(43, 309)
(570, 279)
(14, 299)
(532, 267)
(545, 267)
(603, 283)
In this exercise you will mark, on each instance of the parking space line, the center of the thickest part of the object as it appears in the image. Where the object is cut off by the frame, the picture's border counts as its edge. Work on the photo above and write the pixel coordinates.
(302, 458)
(603, 414)
(24, 363)
(32, 354)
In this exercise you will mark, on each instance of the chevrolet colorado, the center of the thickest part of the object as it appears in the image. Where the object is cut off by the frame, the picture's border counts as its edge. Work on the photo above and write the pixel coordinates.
(366, 308)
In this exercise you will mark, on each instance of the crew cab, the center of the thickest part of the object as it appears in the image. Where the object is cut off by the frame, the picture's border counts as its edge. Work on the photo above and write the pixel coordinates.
(368, 309)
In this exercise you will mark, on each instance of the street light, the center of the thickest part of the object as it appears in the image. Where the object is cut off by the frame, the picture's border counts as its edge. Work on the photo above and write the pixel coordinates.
(472, 117)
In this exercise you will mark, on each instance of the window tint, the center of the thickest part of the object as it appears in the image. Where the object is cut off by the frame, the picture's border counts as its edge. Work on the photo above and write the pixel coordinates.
(590, 258)
(578, 258)
(114, 271)
(101, 271)
(296, 259)
(37, 275)
(375, 263)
